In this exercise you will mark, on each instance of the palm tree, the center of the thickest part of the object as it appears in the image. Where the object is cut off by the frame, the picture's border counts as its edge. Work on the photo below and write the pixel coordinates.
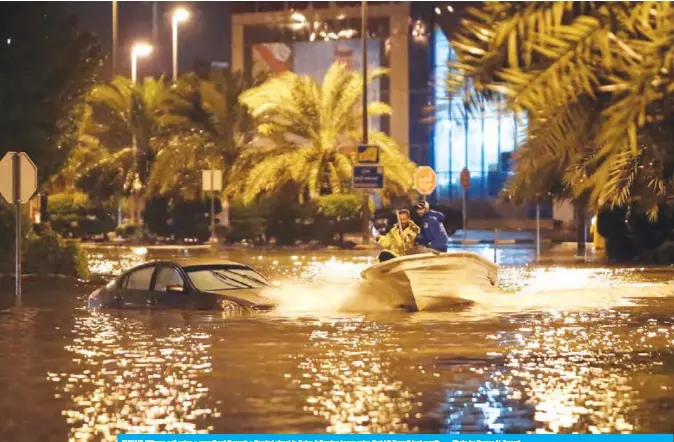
(595, 80)
(126, 127)
(307, 133)
(214, 127)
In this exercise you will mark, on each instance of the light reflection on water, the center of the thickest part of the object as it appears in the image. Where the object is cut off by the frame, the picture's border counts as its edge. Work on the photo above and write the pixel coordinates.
(133, 382)
(348, 382)
(560, 350)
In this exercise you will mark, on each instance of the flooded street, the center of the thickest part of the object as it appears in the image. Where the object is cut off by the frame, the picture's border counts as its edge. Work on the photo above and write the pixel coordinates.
(560, 349)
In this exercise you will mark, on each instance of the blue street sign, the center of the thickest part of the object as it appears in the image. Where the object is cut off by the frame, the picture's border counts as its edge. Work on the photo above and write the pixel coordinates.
(368, 154)
(368, 177)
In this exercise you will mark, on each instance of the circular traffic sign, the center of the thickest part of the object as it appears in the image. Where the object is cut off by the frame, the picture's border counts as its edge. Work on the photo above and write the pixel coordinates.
(425, 180)
(465, 179)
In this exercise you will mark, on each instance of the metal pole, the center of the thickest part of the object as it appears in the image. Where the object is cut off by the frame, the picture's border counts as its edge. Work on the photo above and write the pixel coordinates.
(115, 21)
(114, 38)
(538, 231)
(366, 195)
(465, 223)
(16, 164)
(134, 68)
(155, 24)
(495, 243)
(212, 205)
(175, 49)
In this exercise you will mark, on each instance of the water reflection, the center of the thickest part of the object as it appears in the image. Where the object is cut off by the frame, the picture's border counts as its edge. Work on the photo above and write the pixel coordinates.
(131, 381)
(347, 378)
(559, 350)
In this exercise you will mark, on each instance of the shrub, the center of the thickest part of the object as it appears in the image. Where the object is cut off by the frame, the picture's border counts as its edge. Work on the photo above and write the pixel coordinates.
(7, 241)
(340, 213)
(247, 222)
(73, 214)
(156, 216)
(191, 219)
(50, 254)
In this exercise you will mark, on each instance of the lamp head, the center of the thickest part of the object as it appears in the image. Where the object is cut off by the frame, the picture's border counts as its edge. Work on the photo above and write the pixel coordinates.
(180, 15)
(141, 49)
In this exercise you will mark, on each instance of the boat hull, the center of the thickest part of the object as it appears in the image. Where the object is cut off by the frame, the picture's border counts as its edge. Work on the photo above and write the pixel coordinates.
(435, 281)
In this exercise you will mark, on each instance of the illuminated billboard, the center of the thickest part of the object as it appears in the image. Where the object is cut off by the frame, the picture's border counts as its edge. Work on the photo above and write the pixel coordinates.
(315, 58)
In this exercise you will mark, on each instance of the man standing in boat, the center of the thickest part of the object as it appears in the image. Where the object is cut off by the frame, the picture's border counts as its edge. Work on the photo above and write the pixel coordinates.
(399, 239)
(433, 233)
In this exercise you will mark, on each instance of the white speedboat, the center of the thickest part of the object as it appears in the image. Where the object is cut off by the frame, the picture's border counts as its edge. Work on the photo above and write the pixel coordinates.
(435, 280)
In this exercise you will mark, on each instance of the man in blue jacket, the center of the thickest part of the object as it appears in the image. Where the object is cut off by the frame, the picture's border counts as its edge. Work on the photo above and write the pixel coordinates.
(433, 233)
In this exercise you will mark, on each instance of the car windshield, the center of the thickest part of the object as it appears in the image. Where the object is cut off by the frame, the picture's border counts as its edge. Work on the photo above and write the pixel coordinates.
(213, 278)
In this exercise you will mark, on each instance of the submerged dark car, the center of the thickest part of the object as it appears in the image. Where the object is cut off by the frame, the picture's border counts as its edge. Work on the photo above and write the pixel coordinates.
(186, 284)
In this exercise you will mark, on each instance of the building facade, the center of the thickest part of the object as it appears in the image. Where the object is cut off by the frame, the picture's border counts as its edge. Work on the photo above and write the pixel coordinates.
(406, 38)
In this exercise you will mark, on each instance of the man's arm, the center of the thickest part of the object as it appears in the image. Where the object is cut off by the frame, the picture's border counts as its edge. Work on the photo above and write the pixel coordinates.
(384, 240)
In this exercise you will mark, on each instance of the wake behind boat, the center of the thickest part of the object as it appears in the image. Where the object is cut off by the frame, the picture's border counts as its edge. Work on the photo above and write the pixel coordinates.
(433, 280)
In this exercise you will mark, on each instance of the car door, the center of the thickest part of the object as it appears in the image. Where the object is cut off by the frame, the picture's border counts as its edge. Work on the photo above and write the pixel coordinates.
(136, 288)
(170, 289)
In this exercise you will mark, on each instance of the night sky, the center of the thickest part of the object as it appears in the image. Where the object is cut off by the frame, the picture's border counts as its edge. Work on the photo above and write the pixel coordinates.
(205, 36)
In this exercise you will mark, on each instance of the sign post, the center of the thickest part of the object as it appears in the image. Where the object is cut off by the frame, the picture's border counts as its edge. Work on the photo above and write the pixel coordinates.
(538, 231)
(368, 174)
(212, 180)
(425, 181)
(465, 184)
(18, 183)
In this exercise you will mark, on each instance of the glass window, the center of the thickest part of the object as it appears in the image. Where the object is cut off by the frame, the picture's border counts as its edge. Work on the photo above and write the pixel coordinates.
(508, 134)
(213, 278)
(167, 276)
(140, 279)
(458, 133)
(475, 146)
(491, 150)
(442, 146)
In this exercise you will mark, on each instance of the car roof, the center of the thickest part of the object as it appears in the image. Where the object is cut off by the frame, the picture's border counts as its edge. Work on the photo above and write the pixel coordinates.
(187, 262)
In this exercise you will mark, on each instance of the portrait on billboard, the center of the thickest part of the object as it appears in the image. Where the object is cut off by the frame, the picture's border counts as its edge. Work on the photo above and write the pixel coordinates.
(271, 58)
(314, 58)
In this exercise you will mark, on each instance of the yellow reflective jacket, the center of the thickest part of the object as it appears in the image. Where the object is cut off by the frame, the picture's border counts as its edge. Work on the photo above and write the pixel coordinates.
(397, 244)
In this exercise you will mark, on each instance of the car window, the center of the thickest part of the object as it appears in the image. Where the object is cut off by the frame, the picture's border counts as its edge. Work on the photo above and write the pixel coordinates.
(140, 279)
(167, 276)
(223, 278)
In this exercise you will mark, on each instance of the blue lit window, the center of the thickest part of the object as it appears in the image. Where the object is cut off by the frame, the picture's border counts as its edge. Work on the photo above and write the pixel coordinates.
(474, 141)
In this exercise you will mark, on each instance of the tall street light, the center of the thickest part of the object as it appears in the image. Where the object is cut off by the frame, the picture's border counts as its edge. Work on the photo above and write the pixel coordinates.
(114, 38)
(366, 195)
(179, 15)
(140, 49)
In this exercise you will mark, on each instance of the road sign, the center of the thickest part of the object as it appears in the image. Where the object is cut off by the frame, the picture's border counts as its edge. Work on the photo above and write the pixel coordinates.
(367, 154)
(368, 177)
(425, 180)
(18, 183)
(211, 180)
(27, 177)
(465, 179)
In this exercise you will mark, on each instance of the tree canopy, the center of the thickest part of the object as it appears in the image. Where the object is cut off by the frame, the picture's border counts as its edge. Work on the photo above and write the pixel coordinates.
(307, 133)
(48, 67)
(594, 78)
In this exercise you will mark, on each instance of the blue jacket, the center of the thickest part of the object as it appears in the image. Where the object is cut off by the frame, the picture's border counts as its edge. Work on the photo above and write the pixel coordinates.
(433, 233)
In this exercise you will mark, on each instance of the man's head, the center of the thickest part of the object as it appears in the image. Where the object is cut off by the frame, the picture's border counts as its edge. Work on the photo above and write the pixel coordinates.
(404, 216)
(422, 207)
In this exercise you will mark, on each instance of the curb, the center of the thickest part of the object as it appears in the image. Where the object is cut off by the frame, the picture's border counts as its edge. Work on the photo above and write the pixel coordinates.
(501, 241)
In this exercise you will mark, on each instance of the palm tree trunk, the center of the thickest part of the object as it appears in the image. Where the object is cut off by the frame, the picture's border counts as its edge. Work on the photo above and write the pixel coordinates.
(580, 207)
(366, 218)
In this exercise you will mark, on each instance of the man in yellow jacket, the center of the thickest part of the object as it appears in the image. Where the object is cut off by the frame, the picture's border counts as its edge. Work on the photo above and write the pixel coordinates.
(399, 239)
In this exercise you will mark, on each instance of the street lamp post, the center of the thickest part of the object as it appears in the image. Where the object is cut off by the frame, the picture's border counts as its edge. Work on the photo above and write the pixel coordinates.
(366, 195)
(179, 15)
(140, 49)
(114, 38)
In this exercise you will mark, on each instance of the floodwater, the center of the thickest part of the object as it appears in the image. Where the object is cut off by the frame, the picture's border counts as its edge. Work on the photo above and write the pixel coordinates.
(561, 349)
